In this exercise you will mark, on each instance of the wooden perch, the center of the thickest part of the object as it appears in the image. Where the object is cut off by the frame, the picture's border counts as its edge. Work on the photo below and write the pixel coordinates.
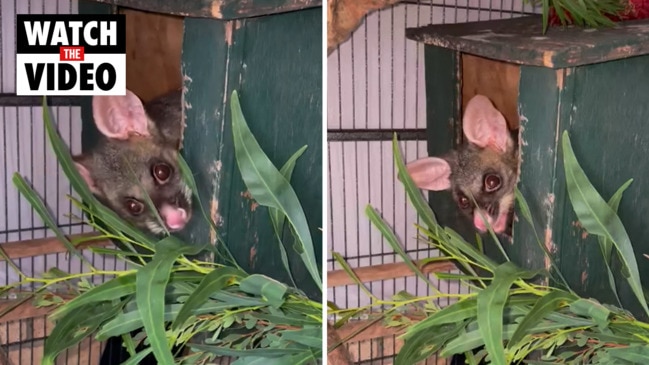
(384, 272)
(48, 245)
(344, 16)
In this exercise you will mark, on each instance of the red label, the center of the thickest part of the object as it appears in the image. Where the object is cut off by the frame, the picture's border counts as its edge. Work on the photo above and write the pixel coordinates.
(71, 54)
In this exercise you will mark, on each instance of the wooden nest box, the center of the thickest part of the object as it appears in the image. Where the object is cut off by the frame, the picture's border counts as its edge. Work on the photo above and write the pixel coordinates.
(592, 83)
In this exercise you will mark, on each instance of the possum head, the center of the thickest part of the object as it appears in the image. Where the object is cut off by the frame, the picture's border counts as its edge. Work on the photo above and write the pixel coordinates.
(136, 159)
(482, 170)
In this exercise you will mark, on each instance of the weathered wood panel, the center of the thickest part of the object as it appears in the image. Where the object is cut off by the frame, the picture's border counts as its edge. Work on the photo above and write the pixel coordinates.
(153, 49)
(520, 40)
(538, 144)
(607, 122)
(495, 79)
(274, 63)
(217, 9)
(443, 111)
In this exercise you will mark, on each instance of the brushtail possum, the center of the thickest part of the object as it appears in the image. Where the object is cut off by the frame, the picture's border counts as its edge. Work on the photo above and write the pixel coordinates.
(138, 155)
(483, 168)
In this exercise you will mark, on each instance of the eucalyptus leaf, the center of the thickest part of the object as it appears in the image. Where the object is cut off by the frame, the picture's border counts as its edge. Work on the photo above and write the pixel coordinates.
(74, 327)
(39, 207)
(151, 282)
(125, 323)
(269, 188)
(212, 282)
(414, 194)
(115, 288)
(491, 303)
(475, 339)
(278, 219)
(268, 353)
(637, 354)
(135, 360)
(592, 309)
(393, 241)
(303, 358)
(544, 306)
(419, 348)
(607, 246)
(270, 289)
(597, 217)
(309, 336)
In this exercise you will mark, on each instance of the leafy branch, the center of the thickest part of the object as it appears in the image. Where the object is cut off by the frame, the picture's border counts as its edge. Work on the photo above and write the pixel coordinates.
(507, 317)
(170, 300)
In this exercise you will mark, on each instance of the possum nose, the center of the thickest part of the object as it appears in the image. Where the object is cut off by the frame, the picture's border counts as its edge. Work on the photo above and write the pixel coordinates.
(174, 218)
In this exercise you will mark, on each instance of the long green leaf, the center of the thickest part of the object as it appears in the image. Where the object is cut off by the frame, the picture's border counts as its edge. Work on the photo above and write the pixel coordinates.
(453, 313)
(543, 306)
(421, 347)
(124, 323)
(597, 217)
(226, 351)
(212, 282)
(311, 337)
(39, 206)
(491, 304)
(458, 312)
(151, 283)
(352, 275)
(188, 177)
(592, 309)
(635, 354)
(135, 360)
(606, 245)
(270, 289)
(114, 289)
(414, 194)
(474, 339)
(278, 219)
(74, 327)
(269, 188)
(303, 358)
(393, 241)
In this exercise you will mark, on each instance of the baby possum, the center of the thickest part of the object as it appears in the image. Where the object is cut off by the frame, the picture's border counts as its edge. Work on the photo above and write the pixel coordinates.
(484, 167)
(137, 155)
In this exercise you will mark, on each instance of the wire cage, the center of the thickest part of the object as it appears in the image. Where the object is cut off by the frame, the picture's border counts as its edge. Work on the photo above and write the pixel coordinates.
(375, 89)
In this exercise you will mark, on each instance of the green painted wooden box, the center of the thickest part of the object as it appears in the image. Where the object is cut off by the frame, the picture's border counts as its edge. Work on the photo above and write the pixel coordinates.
(592, 83)
(270, 51)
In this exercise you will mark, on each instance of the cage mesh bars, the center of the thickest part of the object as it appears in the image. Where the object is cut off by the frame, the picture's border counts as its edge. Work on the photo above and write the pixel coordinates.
(375, 88)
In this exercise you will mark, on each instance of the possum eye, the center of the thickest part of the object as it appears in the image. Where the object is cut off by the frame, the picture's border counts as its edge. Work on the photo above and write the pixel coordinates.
(463, 201)
(161, 172)
(134, 206)
(491, 183)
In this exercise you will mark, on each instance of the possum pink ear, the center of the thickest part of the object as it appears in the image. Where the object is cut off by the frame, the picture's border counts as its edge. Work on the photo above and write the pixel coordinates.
(430, 173)
(85, 174)
(485, 126)
(120, 117)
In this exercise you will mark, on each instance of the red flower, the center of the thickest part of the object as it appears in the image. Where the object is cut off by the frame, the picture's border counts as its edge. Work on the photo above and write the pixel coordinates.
(635, 9)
